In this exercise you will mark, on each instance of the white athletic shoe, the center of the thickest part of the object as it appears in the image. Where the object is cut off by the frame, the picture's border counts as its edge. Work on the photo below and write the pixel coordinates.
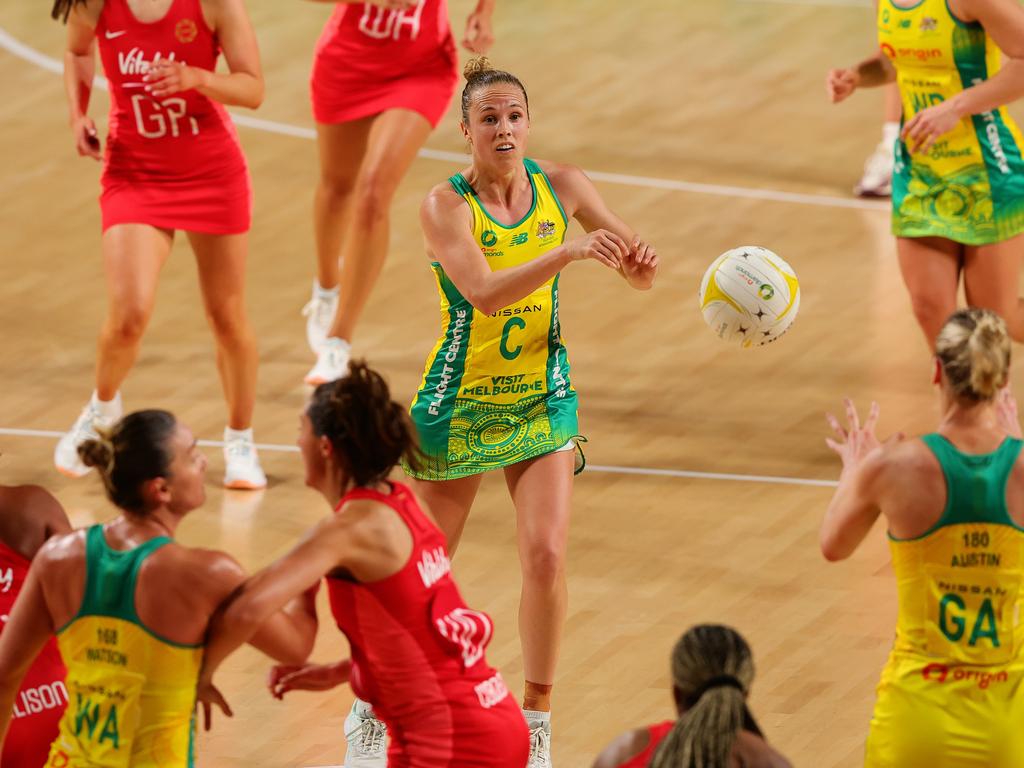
(242, 468)
(540, 743)
(331, 362)
(65, 455)
(877, 178)
(319, 313)
(367, 738)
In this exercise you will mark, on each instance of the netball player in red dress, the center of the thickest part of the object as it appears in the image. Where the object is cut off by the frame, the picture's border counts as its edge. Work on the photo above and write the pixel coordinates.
(172, 161)
(28, 517)
(383, 77)
(418, 653)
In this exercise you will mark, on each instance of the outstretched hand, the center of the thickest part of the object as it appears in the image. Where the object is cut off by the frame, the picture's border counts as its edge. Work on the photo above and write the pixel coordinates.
(307, 677)
(208, 695)
(840, 84)
(855, 441)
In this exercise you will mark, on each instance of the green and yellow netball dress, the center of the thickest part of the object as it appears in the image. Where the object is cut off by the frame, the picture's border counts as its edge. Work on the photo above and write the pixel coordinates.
(496, 387)
(131, 693)
(951, 695)
(970, 186)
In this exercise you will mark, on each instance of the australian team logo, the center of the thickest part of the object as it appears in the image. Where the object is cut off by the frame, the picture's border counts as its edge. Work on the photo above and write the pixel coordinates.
(545, 229)
(928, 24)
(186, 31)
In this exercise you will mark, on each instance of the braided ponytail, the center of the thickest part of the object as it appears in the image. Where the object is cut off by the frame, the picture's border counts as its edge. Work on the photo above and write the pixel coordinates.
(712, 669)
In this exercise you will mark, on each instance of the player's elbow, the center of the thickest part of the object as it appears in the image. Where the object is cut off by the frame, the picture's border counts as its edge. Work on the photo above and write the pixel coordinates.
(482, 301)
(832, 547)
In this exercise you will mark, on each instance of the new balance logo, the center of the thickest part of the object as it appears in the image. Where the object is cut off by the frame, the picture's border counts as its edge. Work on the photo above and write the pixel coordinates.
(520, 238)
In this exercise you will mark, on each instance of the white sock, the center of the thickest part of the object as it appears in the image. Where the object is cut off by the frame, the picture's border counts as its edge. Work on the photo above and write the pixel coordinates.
(238, 434)
(324, 293)
(537, 715)
(889, 133)
(109, 409)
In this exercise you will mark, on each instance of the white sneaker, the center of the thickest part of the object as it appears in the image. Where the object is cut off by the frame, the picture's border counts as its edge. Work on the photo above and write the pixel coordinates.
(367, 738)
(319, 313)
(65, 455)
(242, 468)
(877, 178)
(540, 743)
(331, 362)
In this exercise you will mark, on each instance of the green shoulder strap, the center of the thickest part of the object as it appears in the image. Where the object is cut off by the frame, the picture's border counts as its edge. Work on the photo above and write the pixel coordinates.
(975, 483)
(110, 576)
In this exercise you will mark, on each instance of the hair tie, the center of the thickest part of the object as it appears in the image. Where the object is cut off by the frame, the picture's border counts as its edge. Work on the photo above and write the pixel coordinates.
(718, 681)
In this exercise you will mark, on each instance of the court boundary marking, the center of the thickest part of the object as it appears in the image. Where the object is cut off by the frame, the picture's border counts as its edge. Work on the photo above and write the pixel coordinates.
(25, 52)
(602, 468)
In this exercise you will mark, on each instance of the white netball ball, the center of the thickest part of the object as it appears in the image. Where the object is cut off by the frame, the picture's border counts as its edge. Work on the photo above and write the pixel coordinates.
(749, 295)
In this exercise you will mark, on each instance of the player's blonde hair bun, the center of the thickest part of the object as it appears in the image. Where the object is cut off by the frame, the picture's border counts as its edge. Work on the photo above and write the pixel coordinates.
(974, 349)
(476, 67)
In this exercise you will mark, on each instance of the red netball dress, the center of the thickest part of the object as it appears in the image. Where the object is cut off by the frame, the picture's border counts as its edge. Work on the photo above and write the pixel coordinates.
(42, 698)
(655, 734)
(370, 59)
(174, 162)
(418, 657)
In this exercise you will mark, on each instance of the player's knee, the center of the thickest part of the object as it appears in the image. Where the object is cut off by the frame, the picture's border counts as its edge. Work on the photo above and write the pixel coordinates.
(229, 324)
(373, 198)
(930, 309)
(544, 563)
(128, 324)
(336, 188)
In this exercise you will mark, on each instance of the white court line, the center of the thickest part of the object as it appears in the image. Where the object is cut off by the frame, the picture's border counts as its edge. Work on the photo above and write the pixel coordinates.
(648, 471)
(22, 51)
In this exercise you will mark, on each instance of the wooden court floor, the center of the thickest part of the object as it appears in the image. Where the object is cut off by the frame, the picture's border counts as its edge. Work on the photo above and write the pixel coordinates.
(724, 94)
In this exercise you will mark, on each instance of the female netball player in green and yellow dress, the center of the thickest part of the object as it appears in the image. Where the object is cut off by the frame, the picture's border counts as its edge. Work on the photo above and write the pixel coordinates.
(958, 182)
(951, 693)
(496, 391)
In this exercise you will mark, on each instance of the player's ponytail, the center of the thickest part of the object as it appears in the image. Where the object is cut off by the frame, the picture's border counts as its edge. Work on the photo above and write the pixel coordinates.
(974, 350)
(369, 431)
(480, 73)
(712, 669)
(62, 8)
(134, 450)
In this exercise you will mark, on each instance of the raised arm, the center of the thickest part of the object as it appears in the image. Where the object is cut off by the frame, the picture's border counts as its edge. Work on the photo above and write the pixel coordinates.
(448, 231)
(242, 86)
(854, 506)
(1003, 20)
(79, 72)
(584, 203)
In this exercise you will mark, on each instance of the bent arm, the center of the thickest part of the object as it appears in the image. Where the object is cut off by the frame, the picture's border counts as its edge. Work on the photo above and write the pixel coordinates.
(79, 63)
(1003, 20)
(875, 71)
(447, 229)
(26, 632)
(251, 605)
(853, 509)
(591, 211)
(242, 86)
